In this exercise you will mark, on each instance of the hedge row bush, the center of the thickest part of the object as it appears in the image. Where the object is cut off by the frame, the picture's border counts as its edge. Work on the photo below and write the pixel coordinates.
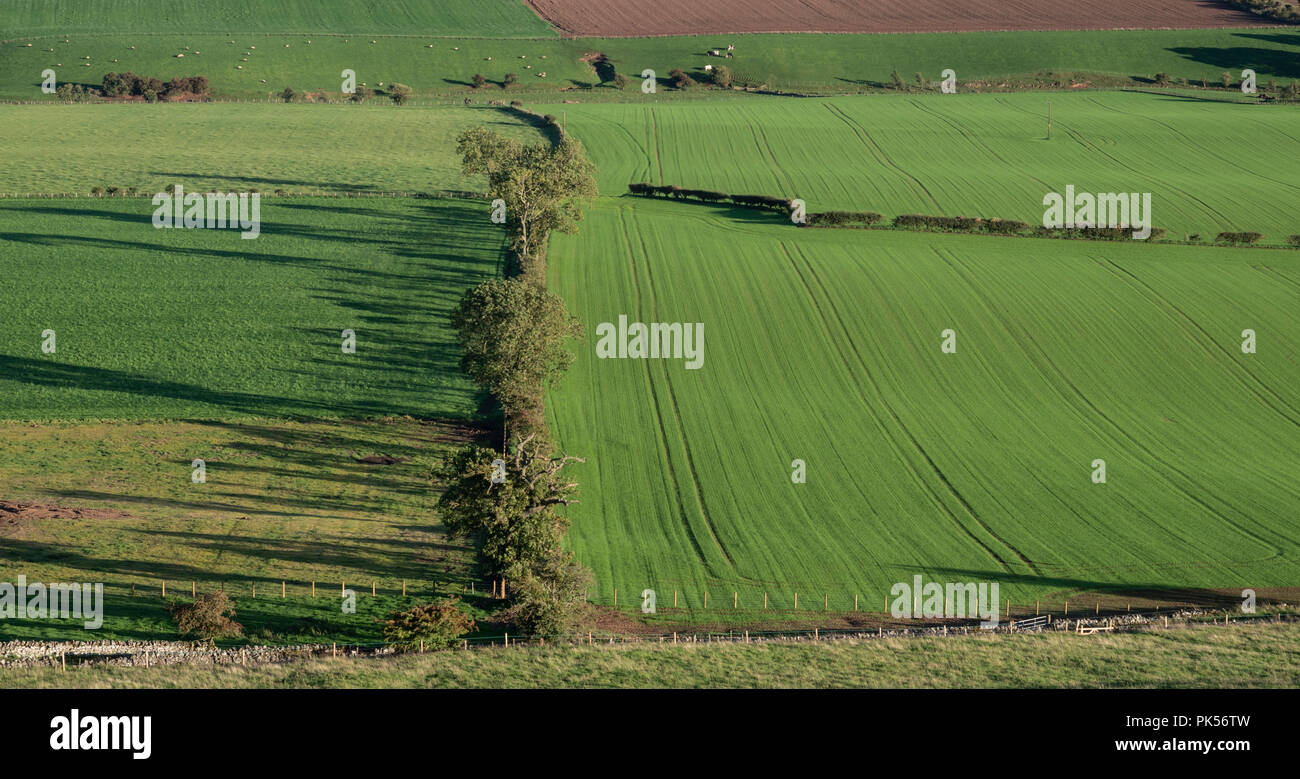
(1294, 240)
(1097, 233)
(1270, 9)
(838, 218)
(1239, 238)
(709, 195)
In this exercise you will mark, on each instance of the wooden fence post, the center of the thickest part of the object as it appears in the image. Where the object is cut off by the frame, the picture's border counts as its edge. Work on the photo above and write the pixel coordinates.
(313, 589)
(282, 588)
(855, 601)
(403, 588)
(254, 589)
(735, 599)
(796, 600)
(193, 590)
(706, 599)
(674, 598)
(765, 600)
(825, 600)
(615, 597)
(372, 588)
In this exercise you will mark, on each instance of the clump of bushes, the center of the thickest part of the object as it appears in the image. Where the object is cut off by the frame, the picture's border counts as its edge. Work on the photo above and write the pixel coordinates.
(129, 84)
(679, 79)
(399, 93)
(210, 616)
(75, 93)
(437, 625)
(1270, 9)
(1239, 238)
(927, 222)
(1097, 233)
(1294, 240)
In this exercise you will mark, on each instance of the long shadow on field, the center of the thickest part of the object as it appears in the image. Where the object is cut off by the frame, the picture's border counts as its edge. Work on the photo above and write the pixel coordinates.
(441, 250)
(1283, 64)
(730, 212)
(1151, 592)
(341, 186)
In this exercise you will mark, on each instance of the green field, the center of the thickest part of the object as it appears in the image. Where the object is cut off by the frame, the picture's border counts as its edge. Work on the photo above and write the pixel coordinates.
(499, 18)
(824, 346)
(240, 148)
(974, 155)
(1237, 657)
(282, 502)
(201, 323)
(807, 62)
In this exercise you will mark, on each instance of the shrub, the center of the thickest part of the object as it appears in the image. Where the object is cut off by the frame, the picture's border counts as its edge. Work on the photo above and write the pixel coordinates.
(1294, 240)
(927, 222)
(551, 119)
(210, 616)
(361, 94)
(838, 218)
(641, 189)
(288, 95)
(511, 80)
(399, 93)
(1006, 226)
(621, 81)
(479, 80)
(722, 77)
(96, 191)
(438, 625)
(679, 79)
(516, 104)
(1239, 238)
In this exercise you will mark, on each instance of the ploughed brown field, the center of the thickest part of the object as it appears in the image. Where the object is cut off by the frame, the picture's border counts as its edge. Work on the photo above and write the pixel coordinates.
(614, 18)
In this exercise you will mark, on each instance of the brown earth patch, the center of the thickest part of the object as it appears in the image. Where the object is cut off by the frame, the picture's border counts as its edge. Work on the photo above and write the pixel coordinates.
(13, 514)
(629, 18)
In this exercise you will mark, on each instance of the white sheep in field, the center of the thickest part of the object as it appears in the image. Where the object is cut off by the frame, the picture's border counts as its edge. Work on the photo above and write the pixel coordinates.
(708, 68)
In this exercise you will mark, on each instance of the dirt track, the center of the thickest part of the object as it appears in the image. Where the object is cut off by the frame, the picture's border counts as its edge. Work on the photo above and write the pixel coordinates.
(625, 18)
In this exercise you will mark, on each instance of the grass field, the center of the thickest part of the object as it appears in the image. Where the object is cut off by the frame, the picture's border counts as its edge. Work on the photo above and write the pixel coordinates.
(499, 18)
(1241, 656)
(202, 323)
(974, 466)
(974, 155)
(809, 62)
(283, 501)
(297, 148)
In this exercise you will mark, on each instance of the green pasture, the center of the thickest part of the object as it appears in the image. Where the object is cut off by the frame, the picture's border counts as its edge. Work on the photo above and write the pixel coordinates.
(1210, 166)
(240, 148)
(825, 346)
(173, 323)
(259, 64)
(500, 18)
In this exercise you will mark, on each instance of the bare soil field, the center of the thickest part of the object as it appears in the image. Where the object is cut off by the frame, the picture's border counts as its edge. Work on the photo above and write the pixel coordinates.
(627, 18)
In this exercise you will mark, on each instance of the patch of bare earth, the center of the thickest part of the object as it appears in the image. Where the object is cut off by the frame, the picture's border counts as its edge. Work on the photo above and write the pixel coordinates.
(629, 18)
(17, 514)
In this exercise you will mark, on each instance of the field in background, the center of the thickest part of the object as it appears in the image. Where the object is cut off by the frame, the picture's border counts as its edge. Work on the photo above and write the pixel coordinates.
(240, 148)
(1240, 656)
(678, 17)
(499, 18)
(825, 346)
(972, 155)
(202, 323)
(807, 62)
